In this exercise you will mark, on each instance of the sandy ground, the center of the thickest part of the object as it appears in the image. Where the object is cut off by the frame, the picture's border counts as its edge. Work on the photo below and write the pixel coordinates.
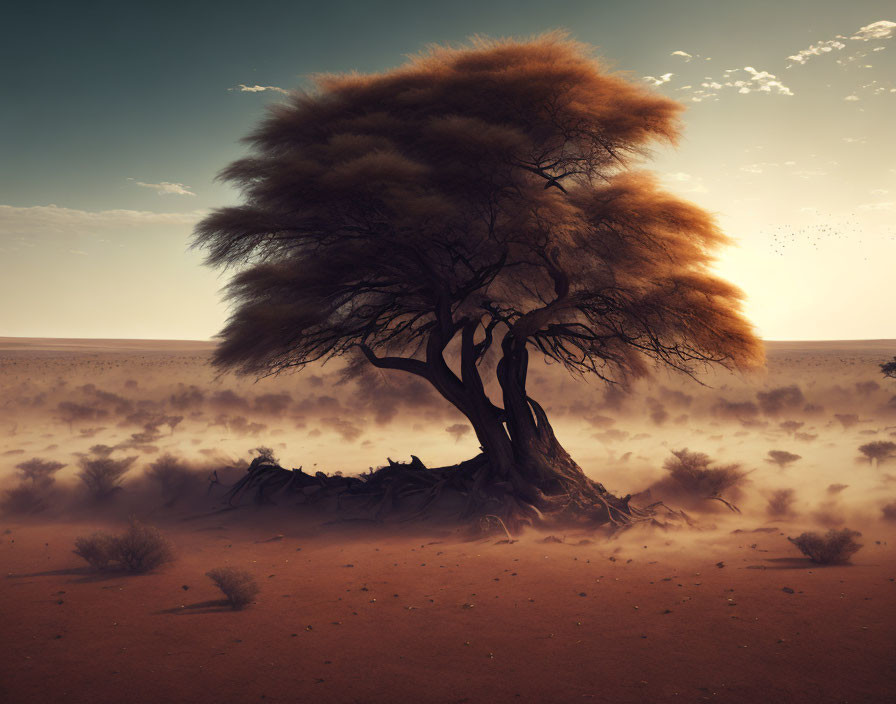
(414, 613)
(347, 617)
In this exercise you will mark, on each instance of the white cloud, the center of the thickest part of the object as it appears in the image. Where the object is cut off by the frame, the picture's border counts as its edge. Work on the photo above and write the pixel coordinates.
(851, 98)
(653, 80)
(52, 219)
(884, 29)
(683, 54)
(818, 49)
(854, 140)
(242, 88)
(165, 188)
(756, 168)
(887, 205)
(810, 173)
(686, 183)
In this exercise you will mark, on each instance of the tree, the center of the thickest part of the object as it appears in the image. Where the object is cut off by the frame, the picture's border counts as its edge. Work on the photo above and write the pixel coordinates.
(475, 205)
(878, 451)
(782, 458)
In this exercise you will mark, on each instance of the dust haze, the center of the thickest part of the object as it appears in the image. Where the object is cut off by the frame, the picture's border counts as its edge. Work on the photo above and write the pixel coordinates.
(801, 429)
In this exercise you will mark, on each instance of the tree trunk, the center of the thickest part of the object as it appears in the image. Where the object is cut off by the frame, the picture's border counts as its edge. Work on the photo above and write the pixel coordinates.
(540, 461)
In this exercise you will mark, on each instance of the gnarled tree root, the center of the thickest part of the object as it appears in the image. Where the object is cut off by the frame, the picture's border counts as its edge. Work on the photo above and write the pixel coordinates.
(410, 491)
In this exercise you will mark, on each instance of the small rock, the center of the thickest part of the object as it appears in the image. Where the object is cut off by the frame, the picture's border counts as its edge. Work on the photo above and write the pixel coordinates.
(787, 589)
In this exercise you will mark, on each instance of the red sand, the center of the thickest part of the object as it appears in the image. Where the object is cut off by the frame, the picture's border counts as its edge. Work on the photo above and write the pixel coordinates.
(355, 618)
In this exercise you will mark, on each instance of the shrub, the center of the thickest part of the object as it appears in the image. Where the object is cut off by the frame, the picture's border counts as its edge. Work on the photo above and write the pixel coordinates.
(140, 548)
(102, 475)
(693, 473)
(239, 586)
(24, 499)
(780, 503)
(889, 511)
(174, 477)
(97, 549)
(836, 547)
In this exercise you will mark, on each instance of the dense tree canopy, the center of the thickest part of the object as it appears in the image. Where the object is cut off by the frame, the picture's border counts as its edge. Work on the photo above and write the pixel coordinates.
(479, 196)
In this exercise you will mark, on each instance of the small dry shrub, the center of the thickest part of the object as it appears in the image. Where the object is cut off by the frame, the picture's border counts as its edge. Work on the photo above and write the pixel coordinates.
(239, 586)
(140, 548)
(780, 503)
(835, 547)
(889, 511)
(97, 549)
(692, 471)
(174, 478)
(24, 499)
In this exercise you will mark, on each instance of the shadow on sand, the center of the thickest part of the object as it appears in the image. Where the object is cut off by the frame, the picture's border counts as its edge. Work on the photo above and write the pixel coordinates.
(200, 607)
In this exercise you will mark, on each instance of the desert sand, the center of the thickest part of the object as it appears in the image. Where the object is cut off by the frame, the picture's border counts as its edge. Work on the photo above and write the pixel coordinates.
(725, 609)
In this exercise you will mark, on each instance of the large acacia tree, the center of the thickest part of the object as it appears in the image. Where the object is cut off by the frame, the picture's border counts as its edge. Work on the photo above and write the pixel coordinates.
(479, 198)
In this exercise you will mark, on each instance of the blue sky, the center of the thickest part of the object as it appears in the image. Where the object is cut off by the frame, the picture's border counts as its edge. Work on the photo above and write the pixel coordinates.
(118, 116)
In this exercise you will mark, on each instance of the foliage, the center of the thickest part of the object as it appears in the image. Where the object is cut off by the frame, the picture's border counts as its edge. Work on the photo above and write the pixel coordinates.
(780, 503)
(36, 479)
(103, 475)
(878, 450)
(239, 586)
(692, 471)
(889, 368)
(173, 477)
(782, 458)
(140, 548)
(474, 190)
(836, 547)
(98, 549)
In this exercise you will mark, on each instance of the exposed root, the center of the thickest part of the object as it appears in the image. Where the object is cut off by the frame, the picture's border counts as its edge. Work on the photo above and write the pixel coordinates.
(412, 491)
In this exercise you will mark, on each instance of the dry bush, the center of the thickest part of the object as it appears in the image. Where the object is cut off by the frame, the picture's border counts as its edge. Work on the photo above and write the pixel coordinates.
(776, 400)
(102, 475)
(836, 547)
(97, 549)
(140, 548)
(24, 499)
(782, 458)
(174, 477)
(780, 503)
(239, 586)
(889, 511)
(692, 472)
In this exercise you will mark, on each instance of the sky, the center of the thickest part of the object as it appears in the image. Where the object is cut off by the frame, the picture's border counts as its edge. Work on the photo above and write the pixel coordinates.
(118, 116)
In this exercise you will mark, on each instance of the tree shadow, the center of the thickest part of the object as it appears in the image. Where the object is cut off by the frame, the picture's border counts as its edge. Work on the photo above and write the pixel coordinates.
(213, 606)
